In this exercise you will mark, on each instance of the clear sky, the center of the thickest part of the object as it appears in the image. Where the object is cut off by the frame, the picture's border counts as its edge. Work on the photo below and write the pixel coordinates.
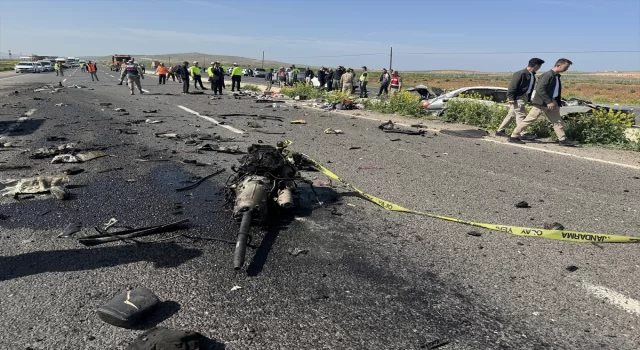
(362, 31)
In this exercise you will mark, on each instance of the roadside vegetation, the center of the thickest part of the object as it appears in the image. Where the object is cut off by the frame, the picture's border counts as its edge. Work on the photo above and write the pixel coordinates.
(251, 87)
(7, 65)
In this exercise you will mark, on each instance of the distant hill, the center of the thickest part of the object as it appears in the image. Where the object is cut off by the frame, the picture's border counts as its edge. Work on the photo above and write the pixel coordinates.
(202, 58)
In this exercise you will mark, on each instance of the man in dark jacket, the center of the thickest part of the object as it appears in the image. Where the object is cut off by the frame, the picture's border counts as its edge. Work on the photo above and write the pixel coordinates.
(183, 73)
(546, 100)
(330, 76)
(519, 94)
(308, 75)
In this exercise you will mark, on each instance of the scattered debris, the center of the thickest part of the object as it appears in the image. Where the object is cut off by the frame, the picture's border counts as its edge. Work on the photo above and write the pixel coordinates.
(297, 251)
(73, 171)
(553, 226)
(254, 125)
(298, 122)
(149, 121)
(389, 127)
(105, 104)
(474, 233)
(192, 186)
(572, 268)
(120, 110)
(110, 170)
(56, 138)
(105, 237)
(107, 225)
(220, 149)
(160, 338)
(78, 158)
(386, 126)
(355, 147)
(194, 162)
(33, 185)
(42, 153)
(151, 111)
(435, 344)
(70, 230)
(60, 193)
(61, 104)
(168, 135)
(234, 288)
(332, 131)
(522, 204)
(128, 131)
(127, 308)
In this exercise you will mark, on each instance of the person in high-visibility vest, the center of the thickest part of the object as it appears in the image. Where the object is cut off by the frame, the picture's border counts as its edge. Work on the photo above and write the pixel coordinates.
(162, 74)
(93, 70)
(363, 82)
(196, 75)
(171, 73)
(236, 77)
(58, 68)
(83, 67)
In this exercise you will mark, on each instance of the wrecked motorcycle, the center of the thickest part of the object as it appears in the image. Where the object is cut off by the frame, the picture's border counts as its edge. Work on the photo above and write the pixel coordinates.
(262, 185)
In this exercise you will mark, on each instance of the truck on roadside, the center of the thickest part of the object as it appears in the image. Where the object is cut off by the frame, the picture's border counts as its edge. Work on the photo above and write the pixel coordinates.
(117, 61)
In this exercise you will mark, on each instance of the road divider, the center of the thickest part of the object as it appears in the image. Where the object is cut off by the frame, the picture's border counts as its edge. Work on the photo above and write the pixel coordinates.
(560, 235)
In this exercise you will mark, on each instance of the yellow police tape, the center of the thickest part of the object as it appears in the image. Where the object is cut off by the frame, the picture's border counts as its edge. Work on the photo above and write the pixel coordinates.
(560, 235)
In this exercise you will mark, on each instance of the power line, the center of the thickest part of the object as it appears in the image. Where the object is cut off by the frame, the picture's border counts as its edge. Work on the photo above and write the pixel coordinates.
(361, 54)
(517, 52)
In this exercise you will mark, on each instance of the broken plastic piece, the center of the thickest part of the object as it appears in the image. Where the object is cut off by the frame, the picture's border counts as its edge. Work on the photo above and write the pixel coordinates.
(70, 229)
(34, 185)
(332, 131)
(127, 308)
(298, 122)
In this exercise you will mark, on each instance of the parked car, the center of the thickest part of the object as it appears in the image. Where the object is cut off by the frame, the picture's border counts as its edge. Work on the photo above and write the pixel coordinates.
(46, 66)
(498, 95)
(259, 72)
(39, 67)
(27, 67)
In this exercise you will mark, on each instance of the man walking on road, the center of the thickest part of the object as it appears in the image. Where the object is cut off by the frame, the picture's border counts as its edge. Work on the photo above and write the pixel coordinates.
(363, 82)
(269, 79)
(519, 94)
(171, 74)
(236, 77)
(384, 82)
(346, 82)
(93, 70)
(133, 73)
(197, 77)
(183, 74)
(546, 101)
(83, 67)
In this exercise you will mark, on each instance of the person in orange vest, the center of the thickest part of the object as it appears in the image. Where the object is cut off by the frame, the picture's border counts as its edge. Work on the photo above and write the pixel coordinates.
(395, 85)
(162, 74)
(93, 70)
(171, 73)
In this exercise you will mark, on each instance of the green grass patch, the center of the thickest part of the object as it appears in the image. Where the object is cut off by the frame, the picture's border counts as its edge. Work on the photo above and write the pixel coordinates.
(251, 87)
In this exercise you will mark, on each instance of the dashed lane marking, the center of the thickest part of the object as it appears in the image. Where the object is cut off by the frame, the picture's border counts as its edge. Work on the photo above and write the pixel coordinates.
(230, 128)
(620, 300)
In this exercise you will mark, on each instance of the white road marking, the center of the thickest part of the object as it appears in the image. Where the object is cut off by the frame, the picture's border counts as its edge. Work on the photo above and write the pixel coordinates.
(612, 297)
(508, 144)
(565, 154)
(65, 79)
(212, 120)
(147, 91)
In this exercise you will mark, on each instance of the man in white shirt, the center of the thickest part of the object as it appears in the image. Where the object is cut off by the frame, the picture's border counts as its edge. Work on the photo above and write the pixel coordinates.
(547, 101)
(519, 94)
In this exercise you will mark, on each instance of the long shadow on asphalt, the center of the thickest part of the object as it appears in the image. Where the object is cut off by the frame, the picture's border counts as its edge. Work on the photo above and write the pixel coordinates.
(25, 128)
(304, 204)
(163, 255)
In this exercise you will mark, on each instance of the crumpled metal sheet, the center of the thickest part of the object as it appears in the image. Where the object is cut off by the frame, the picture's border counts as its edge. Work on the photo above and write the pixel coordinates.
(33, 185)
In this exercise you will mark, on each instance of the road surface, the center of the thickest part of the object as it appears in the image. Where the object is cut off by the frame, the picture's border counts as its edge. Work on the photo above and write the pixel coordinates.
(372, 279)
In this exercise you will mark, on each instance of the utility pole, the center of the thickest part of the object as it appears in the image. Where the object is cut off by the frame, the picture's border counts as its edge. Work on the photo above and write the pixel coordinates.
(262, 59)
(390, 58)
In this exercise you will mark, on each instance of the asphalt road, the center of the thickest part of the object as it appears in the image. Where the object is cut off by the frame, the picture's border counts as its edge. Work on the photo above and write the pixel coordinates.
(372, 279)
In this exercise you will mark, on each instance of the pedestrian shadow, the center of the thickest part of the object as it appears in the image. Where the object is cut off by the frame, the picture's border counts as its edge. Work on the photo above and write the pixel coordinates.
(163, 255)
(304, 205)
(24, 128)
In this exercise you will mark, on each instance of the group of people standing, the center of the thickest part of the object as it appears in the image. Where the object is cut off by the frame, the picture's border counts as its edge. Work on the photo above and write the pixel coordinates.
(185, 73)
